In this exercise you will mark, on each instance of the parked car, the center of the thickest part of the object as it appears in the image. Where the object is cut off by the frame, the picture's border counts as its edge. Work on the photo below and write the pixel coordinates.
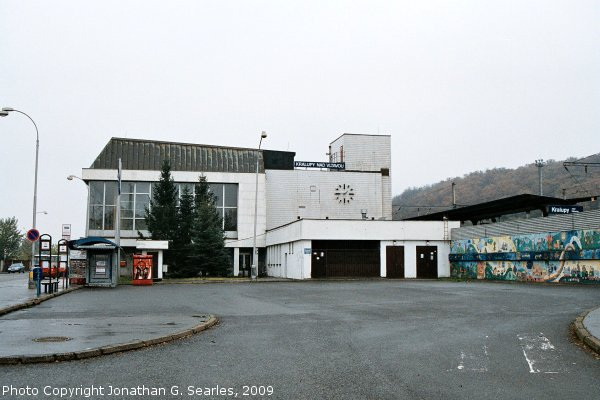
(16, 267)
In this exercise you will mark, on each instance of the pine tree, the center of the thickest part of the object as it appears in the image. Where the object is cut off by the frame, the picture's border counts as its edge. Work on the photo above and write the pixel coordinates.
(209, 254)
(161, 214)
(182, 243)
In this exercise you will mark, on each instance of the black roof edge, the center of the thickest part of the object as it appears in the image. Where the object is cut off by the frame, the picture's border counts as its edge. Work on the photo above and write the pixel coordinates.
(499, 207)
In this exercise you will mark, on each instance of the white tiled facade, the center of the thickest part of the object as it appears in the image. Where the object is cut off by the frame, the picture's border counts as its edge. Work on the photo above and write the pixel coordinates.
(311, 194)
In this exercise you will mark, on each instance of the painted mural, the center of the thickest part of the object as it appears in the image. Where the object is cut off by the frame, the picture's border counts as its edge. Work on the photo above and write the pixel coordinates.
(569, 256)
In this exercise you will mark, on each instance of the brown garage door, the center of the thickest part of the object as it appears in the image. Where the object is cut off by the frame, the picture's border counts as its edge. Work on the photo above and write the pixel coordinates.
(394, 261)
(345, 258)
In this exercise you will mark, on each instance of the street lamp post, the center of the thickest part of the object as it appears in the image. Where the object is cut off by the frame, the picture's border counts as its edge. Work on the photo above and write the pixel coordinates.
(87, 207)
(5, 111)
(254, 273)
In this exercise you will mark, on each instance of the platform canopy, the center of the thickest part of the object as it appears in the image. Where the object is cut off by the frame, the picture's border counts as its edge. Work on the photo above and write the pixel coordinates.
(497, 208)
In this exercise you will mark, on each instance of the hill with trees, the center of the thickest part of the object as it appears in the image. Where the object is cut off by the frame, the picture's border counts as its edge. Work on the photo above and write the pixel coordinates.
(476, 187)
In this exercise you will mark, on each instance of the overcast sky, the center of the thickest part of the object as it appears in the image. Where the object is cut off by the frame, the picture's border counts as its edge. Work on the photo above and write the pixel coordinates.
(460, 85)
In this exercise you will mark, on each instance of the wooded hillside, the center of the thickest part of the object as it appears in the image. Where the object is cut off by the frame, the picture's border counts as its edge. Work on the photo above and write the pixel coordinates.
(496, 183)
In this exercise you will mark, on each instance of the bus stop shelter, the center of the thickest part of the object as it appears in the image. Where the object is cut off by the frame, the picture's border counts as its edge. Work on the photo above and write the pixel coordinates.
(101, 257)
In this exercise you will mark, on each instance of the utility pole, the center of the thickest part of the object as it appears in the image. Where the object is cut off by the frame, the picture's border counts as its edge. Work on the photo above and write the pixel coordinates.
(453, 195)
(540, 164)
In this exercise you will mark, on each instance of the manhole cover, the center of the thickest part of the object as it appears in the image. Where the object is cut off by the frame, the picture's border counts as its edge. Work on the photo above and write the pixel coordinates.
(52, 339)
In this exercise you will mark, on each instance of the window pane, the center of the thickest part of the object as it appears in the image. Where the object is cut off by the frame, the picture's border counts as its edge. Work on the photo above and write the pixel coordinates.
(95, 217)
(217, 190)
(96, 192)
(139, 213)
(142, 187)
(140, 225)
(109, 217)
(231, 219)
(127, 187)
(231, 191)
(126, 224)
(127, 206)
(141, 201)
(111, 193)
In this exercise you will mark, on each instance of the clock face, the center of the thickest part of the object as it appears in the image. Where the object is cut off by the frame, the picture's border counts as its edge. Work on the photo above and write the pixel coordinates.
(344, 193)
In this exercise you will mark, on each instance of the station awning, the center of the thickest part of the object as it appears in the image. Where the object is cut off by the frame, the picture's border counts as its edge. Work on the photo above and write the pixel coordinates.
(91, 242)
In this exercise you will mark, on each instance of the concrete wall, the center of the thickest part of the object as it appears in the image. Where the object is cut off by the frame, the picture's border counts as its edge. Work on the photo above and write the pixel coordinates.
(362, 152)
(288, 260)
(410, 256)
(311, 194)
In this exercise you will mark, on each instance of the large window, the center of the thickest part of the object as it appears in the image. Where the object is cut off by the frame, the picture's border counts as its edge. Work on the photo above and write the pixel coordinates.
(135, 197)
(226, 201)
(103, 199)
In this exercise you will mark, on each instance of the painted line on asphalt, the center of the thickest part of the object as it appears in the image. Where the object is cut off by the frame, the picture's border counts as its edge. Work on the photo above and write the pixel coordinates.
(540, 354)
(474, 362)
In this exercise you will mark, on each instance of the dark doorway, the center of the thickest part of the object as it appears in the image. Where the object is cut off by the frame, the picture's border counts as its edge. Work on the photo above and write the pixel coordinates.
(345, 258)
(427, 262)
(154, 255)
(245, 264)
(394, 261)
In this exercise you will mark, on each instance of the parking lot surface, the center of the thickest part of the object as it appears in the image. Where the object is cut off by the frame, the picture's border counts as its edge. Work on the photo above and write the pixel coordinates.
(352, 339)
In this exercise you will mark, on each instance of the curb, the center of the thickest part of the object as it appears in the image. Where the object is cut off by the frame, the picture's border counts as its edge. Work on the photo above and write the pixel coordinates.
(110, 349)
(36, 301)
(584, 335)
(193, 281)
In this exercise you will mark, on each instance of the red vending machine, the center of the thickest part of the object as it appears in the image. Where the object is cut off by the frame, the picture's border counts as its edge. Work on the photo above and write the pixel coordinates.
(142, 269)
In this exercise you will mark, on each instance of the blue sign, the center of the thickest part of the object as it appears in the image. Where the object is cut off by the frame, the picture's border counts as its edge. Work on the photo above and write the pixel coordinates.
(307, 250)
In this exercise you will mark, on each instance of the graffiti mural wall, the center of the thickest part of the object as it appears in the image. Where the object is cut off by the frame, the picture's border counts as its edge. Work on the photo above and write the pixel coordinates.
(569, 256)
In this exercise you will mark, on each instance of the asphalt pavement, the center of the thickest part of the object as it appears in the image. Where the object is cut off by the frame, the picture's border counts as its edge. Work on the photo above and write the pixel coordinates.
(332, 340)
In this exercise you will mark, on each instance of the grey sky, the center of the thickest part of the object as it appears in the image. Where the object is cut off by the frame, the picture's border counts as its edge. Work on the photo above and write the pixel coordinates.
(460, 85)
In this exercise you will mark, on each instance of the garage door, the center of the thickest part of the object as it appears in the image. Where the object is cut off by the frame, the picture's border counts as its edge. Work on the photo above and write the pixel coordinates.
(345, 258)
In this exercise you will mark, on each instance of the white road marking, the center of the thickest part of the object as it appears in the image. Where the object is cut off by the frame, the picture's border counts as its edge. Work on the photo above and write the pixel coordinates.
(540, 354)
(474, 362)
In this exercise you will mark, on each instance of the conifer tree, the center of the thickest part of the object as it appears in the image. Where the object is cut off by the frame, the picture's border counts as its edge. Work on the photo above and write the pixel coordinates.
(161, 214)
(209, 254)
(182, 242)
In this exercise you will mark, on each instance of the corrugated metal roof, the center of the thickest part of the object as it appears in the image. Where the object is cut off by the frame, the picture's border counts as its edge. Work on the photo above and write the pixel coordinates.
(554, 223)
(137, 154)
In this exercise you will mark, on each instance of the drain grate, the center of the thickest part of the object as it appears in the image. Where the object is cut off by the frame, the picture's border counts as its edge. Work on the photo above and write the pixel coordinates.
(52, 339)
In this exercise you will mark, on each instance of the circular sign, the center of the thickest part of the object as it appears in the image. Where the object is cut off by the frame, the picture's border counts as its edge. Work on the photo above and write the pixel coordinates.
(33, 235)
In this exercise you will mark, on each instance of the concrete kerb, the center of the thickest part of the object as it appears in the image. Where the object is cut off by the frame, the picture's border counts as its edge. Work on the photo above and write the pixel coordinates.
(36, 301)
(584, 335)
(105, 350)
